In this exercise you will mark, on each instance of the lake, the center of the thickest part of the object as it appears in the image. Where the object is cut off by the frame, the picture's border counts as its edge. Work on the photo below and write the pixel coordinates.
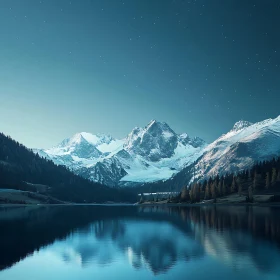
(131, 242)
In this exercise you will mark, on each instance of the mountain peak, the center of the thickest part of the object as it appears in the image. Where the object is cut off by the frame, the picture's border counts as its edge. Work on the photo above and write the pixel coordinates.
(152, 122)
(74, 140)
(158, 126)
(155, 141)
(94, 139)
(240, 125)
(156, 123)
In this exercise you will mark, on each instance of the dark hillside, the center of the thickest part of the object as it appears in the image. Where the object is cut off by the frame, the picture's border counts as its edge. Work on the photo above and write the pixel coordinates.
(21, 169)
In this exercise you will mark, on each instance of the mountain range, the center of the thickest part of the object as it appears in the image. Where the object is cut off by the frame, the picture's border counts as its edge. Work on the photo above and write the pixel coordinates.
(147, 154)
(156, 153)
(26, 177)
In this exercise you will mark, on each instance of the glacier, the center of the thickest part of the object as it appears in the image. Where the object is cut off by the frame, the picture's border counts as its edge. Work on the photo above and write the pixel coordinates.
(147, 154)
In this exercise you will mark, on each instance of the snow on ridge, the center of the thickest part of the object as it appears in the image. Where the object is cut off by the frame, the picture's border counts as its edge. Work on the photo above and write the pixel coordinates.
(91, 138)
(257, 141)
(111, 147)
(219, 156)
(184, 135)
(144, 164)
(163, 169)
(241, 125)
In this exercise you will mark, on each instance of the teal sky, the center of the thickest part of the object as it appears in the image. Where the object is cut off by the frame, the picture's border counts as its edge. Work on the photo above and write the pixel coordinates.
(107, 66)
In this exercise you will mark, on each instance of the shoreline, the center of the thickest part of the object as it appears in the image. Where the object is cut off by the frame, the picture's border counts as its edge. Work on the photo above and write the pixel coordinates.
(265, 204)
(66, 204)
(275, 204)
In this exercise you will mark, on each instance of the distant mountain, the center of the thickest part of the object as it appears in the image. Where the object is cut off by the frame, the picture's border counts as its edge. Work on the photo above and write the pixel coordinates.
(239, 149)
(155, 155)
(21, 169)
(147, 154)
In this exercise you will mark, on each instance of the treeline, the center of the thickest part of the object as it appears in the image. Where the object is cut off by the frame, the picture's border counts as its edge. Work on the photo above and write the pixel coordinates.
(19, 165)
(263, 177)
(43, 225)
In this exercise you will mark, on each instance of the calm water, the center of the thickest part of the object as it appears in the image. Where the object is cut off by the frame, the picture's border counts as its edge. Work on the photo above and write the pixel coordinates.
(118, 242)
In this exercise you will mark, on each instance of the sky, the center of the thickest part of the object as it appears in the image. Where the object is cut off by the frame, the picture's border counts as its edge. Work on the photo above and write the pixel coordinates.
(106, 66)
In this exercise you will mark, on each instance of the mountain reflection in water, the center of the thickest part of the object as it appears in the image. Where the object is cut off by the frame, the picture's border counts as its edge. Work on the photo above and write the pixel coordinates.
(110, 242)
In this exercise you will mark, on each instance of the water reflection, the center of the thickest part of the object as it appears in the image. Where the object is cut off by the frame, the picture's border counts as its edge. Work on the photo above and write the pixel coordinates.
(156, 245)
(242, 241)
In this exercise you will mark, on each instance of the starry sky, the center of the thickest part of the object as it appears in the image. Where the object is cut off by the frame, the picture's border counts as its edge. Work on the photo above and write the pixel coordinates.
(106, 66)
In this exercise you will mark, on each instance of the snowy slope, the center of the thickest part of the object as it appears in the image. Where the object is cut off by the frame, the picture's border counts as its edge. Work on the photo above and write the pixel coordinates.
(101, 144)
(156, 152)
(143, 171)
(147, 154)
(240, 148)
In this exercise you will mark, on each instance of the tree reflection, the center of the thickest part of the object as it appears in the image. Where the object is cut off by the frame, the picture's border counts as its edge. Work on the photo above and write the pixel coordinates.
(150, 237)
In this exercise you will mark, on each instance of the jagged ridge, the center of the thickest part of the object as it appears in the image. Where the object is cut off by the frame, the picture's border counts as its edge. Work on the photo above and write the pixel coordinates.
(147, 154)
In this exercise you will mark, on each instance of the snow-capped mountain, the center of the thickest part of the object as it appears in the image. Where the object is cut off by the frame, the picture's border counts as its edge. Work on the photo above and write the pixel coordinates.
(157, 153)
(147, 154)
(240, 148)
(154, 142)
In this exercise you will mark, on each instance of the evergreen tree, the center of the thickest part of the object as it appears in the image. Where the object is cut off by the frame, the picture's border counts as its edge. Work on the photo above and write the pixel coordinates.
(240, 188)
(278, 176)
(256, 181)
(267, 180)
(207, 191)
(249, 178)
(213, 190)
(224, 188)
(220, 188)
(197, 192)
(233, 185)
(251, 193)
(274, 176)
(185, 196)
(191, 193)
